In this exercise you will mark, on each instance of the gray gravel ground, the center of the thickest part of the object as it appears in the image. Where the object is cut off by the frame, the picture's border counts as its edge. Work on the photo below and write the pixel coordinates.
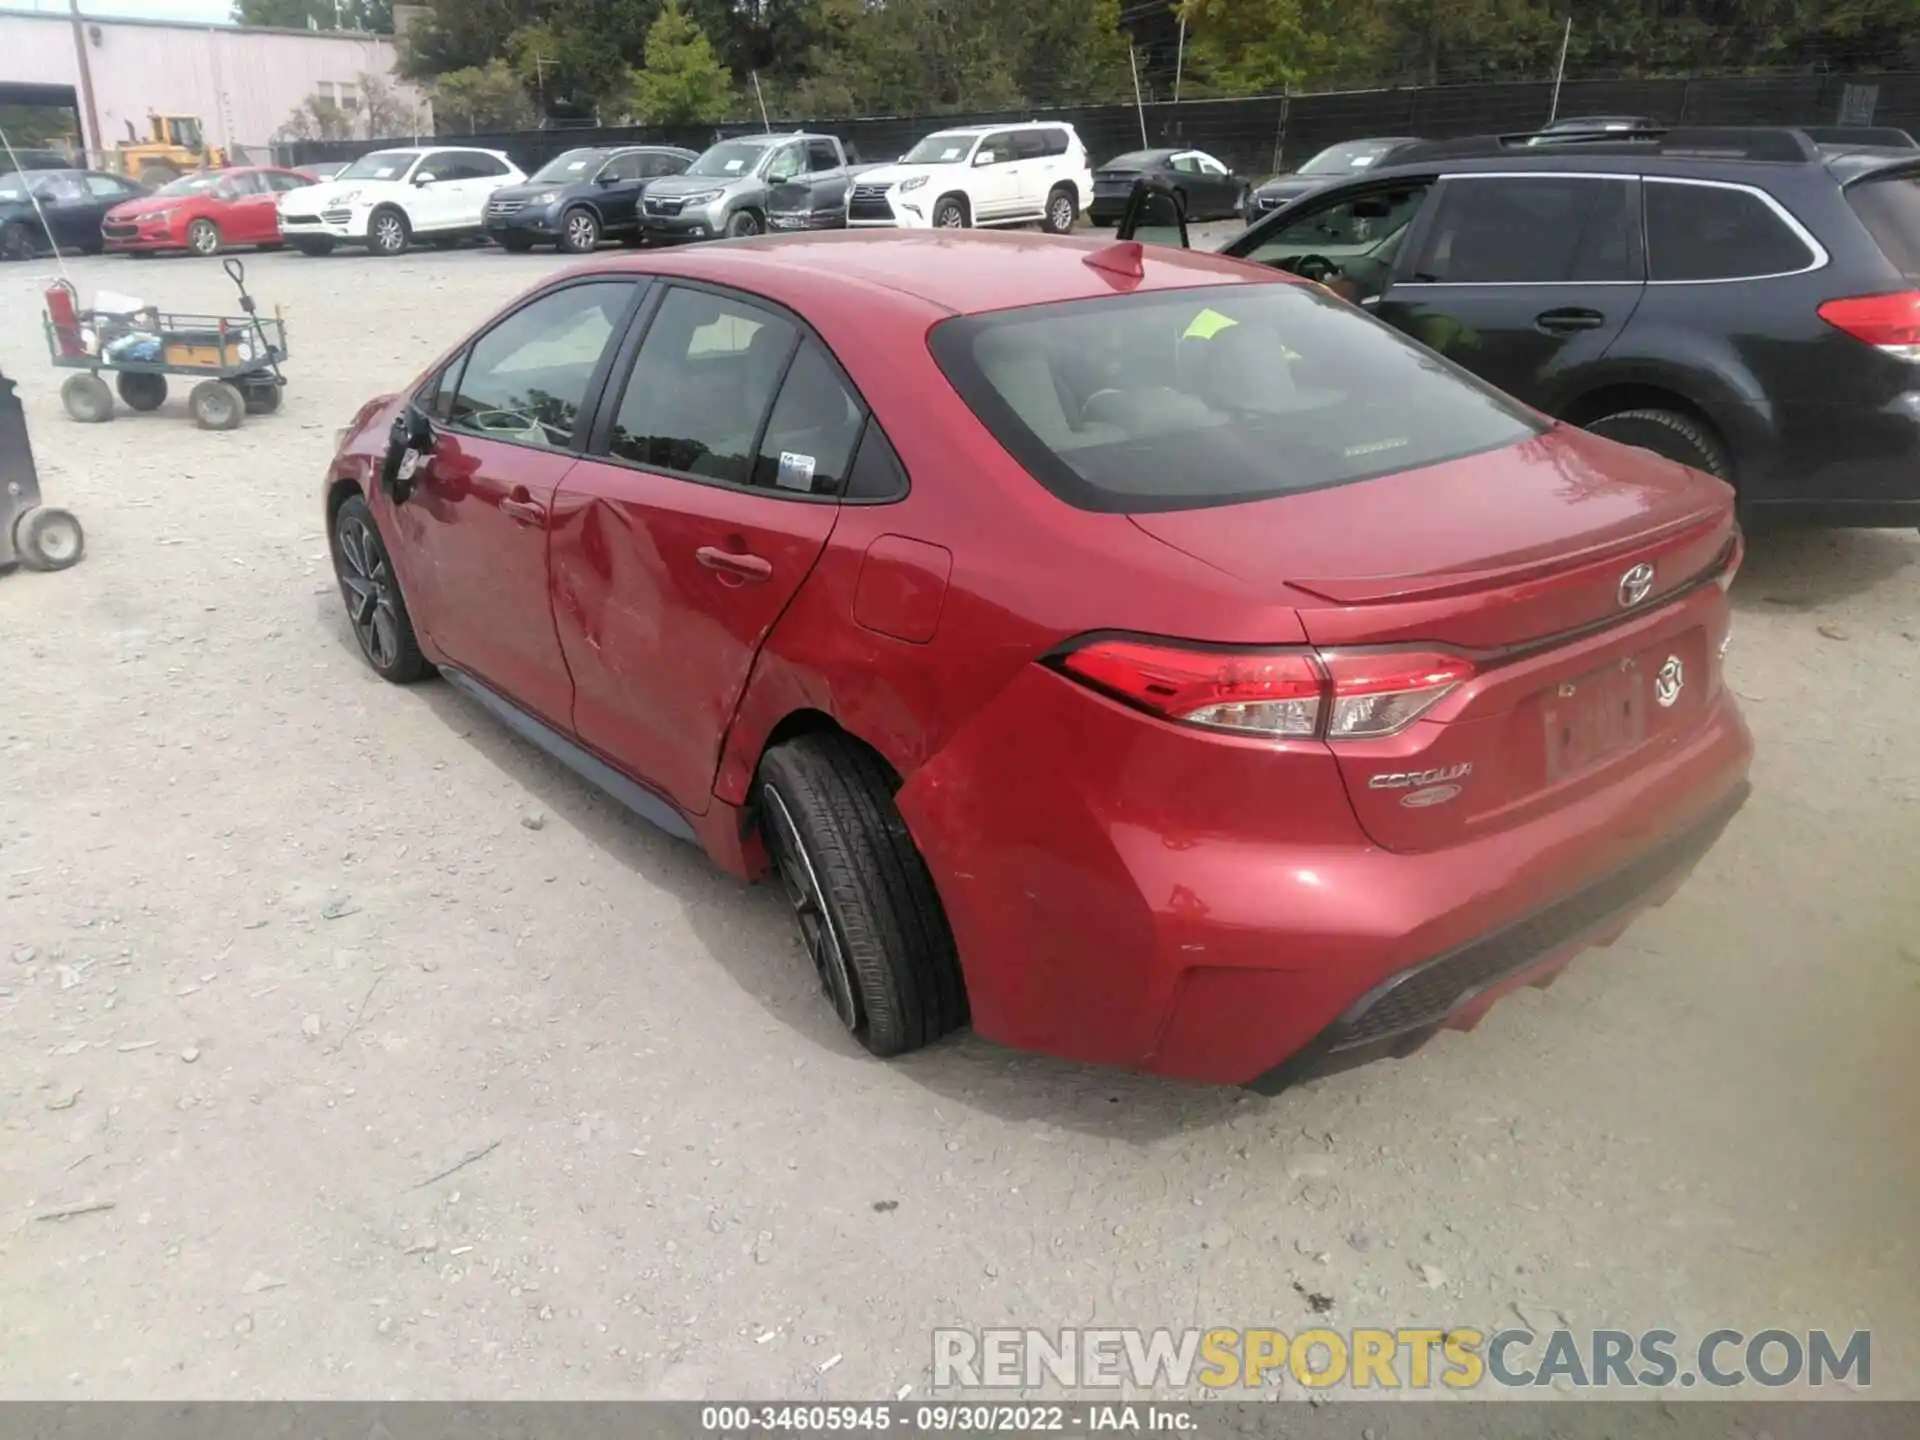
(279, 944)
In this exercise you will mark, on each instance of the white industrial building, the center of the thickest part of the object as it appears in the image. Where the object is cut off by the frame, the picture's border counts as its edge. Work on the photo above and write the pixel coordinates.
(242, 83)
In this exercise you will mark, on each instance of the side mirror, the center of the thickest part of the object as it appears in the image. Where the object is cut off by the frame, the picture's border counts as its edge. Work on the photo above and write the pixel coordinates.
(409, 447)
(983, 157)
(606, 177)
(423, 179)
(1154, 216)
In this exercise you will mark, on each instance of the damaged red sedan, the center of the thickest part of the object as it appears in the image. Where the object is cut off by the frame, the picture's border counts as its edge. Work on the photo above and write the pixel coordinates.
(203, 213)
(1139, 655)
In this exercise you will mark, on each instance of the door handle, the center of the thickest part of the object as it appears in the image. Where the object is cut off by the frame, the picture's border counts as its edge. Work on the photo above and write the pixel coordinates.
(729, 563)
(1567, 321)
(523, 511)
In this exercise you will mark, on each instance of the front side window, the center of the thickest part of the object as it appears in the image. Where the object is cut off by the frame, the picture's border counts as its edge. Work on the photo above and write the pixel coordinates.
(1717, 232)
(527, 378)
(995, 150)
(1173, 400)
(786, 163)
(701, 386)
(1530, 230)
(1357, 237)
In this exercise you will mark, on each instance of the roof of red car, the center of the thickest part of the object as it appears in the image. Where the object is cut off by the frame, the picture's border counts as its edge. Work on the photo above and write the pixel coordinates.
(965, 273)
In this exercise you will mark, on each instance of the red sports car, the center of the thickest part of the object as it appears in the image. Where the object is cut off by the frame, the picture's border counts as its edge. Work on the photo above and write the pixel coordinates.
(1141, 654)
(205, 212)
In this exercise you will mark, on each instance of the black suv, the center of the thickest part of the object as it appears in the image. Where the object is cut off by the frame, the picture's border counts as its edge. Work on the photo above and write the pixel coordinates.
(1741, 300)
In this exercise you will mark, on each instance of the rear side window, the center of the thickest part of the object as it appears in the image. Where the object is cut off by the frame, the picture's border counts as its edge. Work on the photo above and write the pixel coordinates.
(1716, 232)
(815, 425)
(1028, 145)
(1890, 209)
(822, 156)
(702, 385)
(1531, 230)
(1173, 400)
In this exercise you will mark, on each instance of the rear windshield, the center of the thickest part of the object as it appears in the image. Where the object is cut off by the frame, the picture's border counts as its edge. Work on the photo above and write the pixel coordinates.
(1174, 400)
(1136, 160)
(1890, 209)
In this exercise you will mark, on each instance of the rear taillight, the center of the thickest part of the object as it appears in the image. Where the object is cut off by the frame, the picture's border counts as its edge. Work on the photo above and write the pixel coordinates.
(1889, 323)
(1283, 694)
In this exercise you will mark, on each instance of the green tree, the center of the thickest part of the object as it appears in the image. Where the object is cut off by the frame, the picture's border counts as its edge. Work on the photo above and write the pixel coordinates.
(683, 80)
(482, 97)
(1263, 46)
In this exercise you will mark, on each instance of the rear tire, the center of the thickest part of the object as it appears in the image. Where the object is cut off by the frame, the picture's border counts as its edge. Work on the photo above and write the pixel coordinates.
(866, 906)
(262, 396)
(87, 399)
(141, 391)
(1062, 210)
(1670, 434)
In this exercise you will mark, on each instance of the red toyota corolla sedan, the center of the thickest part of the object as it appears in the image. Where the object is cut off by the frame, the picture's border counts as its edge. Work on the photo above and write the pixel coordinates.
(1140, 654)
(205, 212)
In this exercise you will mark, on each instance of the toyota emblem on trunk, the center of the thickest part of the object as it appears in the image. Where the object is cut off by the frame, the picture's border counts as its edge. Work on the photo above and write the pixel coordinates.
(1667, 682)
(1635, 585)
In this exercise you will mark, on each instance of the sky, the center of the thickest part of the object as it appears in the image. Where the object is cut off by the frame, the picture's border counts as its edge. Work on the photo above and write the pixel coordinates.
(137, 9)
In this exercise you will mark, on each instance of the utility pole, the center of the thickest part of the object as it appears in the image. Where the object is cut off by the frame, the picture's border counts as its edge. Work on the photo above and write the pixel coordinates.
(1566, 38)
(761, 101)
(92, 116)
(1139, 106)
(1179, 57)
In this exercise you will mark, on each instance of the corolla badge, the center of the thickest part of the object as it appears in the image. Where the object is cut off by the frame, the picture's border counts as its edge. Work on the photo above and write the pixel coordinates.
(1635, 586)
(1432, 795)
(1668, 681)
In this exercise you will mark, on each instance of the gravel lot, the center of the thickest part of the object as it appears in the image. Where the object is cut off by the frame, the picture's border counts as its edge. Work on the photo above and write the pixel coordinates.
(280, 944)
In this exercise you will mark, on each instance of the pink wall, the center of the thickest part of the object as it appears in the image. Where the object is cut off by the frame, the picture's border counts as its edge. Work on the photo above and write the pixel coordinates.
(241, 83)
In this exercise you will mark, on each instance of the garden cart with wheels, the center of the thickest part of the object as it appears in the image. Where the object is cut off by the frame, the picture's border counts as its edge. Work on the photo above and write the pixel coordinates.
(41, 537)
(235, 358)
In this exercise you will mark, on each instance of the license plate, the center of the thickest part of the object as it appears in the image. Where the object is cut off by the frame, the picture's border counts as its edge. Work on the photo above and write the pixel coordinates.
(1593, 717)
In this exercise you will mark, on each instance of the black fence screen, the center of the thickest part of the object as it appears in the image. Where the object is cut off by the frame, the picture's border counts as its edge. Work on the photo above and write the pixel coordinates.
(1266, 134)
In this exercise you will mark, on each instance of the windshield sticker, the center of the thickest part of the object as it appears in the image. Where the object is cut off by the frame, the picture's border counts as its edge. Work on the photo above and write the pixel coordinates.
(1207, 324)
(796, 471)
(733, 165)
(1360, 162)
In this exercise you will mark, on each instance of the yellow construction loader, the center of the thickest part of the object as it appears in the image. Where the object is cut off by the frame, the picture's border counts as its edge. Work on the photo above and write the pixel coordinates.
(175, 145)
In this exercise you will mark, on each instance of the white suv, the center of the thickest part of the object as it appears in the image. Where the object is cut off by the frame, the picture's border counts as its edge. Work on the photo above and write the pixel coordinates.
(386, 200)
(979, 175)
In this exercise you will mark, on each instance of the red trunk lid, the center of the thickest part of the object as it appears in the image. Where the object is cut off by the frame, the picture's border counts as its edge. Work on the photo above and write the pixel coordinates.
(1520, 559)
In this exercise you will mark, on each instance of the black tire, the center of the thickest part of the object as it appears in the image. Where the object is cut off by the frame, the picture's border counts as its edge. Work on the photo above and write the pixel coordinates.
(579, 231)
(1063, 208)
(950, 213)
(1670, 434)
(17, 242)
(376, 610)
(217, 405)
(48, 538)
(515, 244)
(141, 391)
(87, 399)
(203, 237)
(313, 247)
(743, 223)
(388, 232)
(866, 906)
(262, 396)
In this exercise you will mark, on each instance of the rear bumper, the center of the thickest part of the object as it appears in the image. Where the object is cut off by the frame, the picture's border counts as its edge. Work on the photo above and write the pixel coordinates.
(1124, 892)
(1399, 1015)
